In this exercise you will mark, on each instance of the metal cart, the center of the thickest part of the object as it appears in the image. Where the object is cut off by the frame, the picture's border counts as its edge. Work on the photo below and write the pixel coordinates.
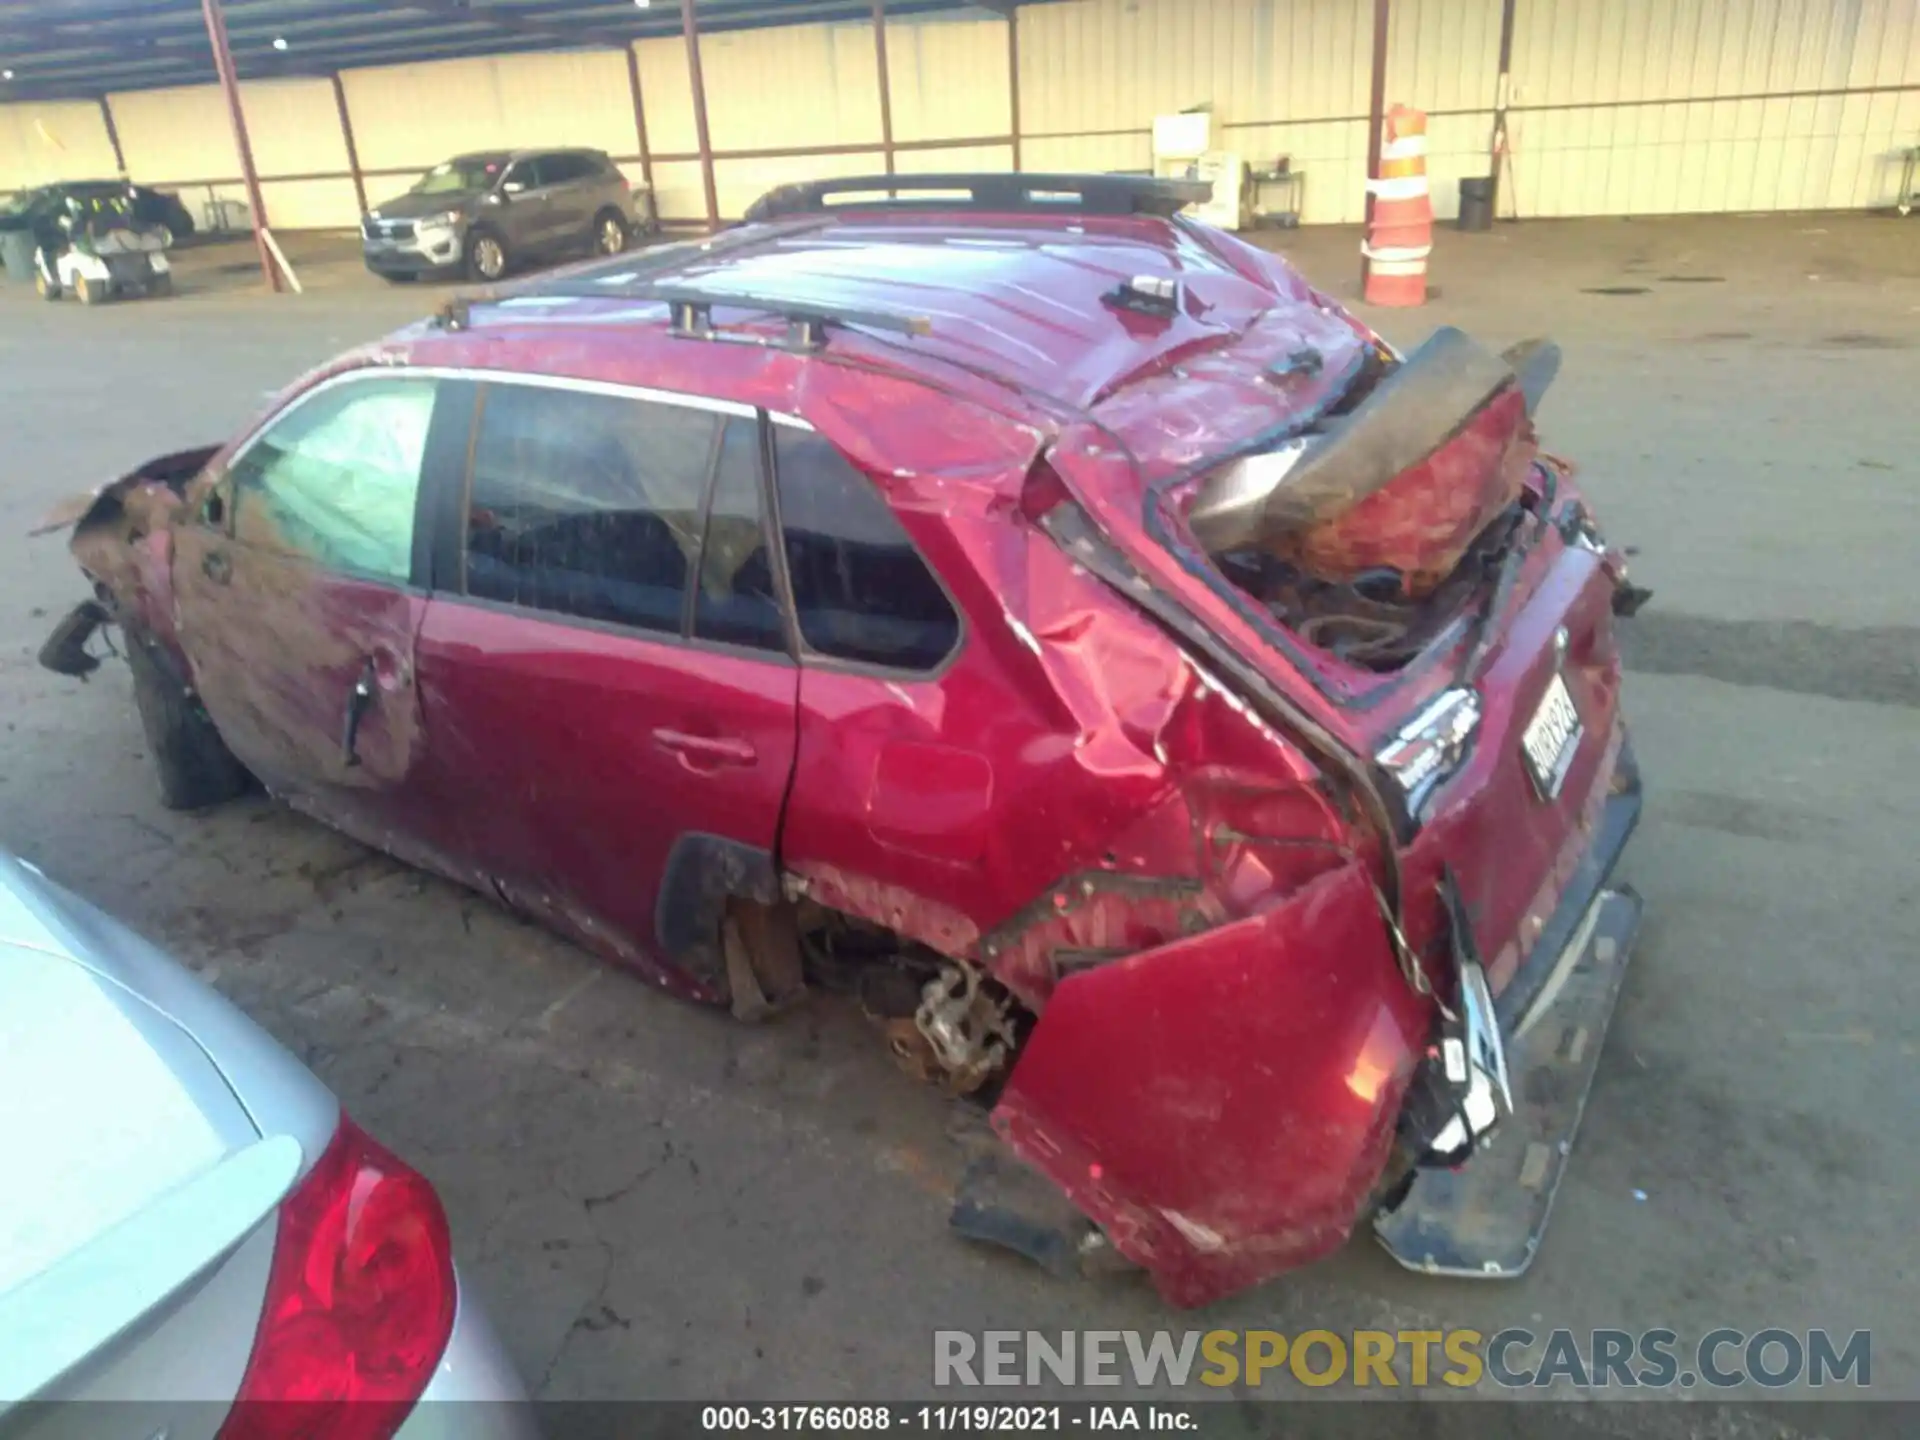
(1294, 184)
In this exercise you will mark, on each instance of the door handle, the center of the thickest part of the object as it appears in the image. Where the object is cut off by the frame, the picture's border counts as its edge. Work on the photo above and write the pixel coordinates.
(217, 566)
(359, 701)
(705, 752)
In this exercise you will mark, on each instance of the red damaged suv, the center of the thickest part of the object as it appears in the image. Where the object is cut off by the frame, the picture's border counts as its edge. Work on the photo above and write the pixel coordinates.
(1188, 725)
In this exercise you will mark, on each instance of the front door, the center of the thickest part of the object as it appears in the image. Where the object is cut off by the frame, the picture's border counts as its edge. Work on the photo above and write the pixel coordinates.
(609, 683)
(528, 214)
(295, 586)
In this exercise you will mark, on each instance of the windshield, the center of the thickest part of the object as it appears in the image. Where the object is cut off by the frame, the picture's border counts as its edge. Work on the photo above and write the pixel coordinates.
(469, 172)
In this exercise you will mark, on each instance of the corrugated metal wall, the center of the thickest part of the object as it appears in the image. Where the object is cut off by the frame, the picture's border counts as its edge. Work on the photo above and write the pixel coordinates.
(949, 79)
(798, 86)
(181, 139)
(1443, 56)
(1283, 77)
(1620, 106)
(57, 141)
(1649, 107)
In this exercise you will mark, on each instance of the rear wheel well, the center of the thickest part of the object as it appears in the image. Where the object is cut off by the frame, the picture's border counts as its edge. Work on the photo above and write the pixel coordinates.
(946, 1021)
(596, 229)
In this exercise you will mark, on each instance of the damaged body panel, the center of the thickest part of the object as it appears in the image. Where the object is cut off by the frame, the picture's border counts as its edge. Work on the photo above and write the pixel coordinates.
(1174, 716)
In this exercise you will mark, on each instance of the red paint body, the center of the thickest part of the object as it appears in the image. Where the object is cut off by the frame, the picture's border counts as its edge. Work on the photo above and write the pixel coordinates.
(1074, 801)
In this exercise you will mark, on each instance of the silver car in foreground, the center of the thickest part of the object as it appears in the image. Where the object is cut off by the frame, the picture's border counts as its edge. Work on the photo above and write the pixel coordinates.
(190, 1227)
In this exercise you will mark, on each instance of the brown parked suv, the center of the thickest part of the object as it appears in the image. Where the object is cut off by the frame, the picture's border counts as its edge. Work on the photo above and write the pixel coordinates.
(484, 213)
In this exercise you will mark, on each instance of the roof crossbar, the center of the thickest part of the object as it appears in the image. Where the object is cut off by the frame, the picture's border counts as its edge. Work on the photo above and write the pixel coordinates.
(692, 306)
(1016, 191)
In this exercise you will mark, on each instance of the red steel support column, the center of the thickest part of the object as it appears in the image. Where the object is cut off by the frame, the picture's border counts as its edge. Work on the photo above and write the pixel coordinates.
(1502, 97)
(640, 121)
(230, 86)
(886, 87)
(692, 28)
(346, 134)
(113, 136)
(1377, 106)
(1013, 79)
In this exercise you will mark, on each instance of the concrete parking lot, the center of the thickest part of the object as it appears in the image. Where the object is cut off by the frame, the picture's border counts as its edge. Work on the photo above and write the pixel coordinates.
(656, 1201)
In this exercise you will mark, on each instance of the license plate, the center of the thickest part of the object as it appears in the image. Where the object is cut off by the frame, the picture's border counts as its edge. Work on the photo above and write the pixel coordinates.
(1552, 738)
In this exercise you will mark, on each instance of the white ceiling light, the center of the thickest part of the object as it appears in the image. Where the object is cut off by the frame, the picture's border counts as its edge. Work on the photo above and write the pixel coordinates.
(643, 4)
(279, 42)
(6, 74)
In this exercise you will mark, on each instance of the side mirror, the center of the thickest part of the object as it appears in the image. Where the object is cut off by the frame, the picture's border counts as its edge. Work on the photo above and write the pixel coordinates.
(511, 188)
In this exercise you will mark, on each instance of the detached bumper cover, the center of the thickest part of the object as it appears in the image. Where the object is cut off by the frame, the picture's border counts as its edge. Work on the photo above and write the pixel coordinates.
(1223, 1107)
(1486, 1218)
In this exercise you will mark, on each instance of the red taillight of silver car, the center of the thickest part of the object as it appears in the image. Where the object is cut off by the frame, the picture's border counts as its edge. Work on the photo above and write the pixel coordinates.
(360, 1302)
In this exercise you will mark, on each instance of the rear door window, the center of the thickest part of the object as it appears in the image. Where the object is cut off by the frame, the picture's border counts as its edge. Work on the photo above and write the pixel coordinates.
(336, 479)
(588, 504)
(860, 589)
(563, 169)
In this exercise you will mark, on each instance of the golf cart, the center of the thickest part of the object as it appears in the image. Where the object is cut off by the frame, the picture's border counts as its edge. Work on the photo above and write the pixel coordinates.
(97, 248)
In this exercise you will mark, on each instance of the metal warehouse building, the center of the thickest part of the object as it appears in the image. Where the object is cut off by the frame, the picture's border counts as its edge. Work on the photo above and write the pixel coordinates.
(1616, 107)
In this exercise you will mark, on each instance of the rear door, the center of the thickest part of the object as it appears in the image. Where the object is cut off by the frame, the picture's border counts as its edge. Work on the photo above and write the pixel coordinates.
(570, 180)
(609, 668)
(300, 585)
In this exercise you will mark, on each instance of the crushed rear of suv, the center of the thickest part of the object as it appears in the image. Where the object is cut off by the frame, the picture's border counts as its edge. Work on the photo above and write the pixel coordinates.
(1189, 727)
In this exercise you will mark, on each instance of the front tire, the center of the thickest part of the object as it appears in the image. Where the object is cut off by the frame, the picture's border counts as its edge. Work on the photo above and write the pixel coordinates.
(91, 292)
(486, 257)
(194, 765)
(43, 287)
(610, 233)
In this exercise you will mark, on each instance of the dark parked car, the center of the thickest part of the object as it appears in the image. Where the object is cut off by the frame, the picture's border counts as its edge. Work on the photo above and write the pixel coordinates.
(1185, 722)
(483, 214)
(150, 207)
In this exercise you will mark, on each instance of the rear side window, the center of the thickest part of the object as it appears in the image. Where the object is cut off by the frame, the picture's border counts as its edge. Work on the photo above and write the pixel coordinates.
(736, 602)
(335, 480)
(861, 590)
(587, 505)
(562, 169)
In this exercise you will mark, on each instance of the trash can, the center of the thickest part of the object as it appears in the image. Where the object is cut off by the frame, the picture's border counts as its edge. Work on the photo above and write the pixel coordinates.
(1476, 203)
(16, 254)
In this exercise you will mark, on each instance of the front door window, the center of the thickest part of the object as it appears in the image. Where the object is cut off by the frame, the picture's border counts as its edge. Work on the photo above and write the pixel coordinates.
(337, 480)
